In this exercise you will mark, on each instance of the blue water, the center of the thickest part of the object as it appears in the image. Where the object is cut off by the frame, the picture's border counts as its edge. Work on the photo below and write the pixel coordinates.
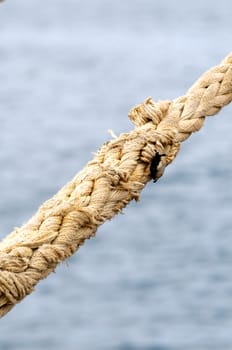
(158, 277)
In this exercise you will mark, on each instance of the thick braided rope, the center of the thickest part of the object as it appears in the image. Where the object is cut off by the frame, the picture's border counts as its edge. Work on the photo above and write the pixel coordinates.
(116, 175)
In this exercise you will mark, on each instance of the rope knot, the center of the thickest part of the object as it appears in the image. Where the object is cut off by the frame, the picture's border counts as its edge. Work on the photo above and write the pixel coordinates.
(149, 111)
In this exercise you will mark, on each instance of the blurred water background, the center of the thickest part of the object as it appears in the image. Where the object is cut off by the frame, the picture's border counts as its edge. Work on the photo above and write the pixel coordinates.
(158, 277)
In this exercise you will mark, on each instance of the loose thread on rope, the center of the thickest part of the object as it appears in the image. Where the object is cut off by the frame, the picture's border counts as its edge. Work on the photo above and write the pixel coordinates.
(116, 175)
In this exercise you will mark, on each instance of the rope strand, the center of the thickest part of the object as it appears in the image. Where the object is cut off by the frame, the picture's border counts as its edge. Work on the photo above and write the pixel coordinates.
(116, 175)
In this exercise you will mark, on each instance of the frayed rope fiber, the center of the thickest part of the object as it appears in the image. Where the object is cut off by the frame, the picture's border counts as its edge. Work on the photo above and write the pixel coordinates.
(115, 176)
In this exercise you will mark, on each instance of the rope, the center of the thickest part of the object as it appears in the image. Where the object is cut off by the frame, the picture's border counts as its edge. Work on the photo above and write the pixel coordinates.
(116, 175)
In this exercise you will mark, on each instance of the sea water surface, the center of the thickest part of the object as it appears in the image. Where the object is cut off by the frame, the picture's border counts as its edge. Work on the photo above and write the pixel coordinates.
(159, 276)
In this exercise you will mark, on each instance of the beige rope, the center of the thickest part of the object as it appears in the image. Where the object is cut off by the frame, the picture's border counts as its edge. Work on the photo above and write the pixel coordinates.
(116, 175)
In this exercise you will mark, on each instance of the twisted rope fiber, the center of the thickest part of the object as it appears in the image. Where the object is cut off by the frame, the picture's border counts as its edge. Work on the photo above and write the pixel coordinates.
(115, 176)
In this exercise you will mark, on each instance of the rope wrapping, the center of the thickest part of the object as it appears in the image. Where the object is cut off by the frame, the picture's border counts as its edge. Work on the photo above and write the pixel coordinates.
(116, 175)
